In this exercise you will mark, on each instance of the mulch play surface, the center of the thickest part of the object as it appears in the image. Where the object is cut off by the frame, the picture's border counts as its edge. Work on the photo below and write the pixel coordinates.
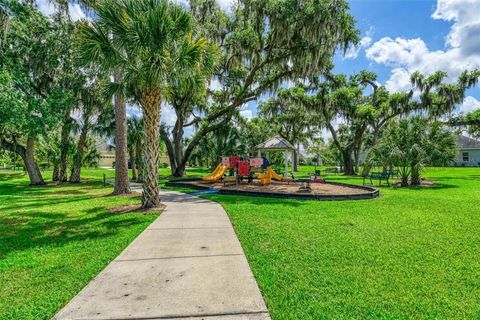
(292, 188)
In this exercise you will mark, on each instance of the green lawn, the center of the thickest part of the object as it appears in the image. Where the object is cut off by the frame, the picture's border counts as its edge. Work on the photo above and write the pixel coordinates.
(410, 254)
(55, 239)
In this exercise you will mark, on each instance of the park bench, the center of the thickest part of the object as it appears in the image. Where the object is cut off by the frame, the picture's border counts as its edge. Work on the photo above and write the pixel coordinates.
(393, 173)
(385, 176)
(331, 170)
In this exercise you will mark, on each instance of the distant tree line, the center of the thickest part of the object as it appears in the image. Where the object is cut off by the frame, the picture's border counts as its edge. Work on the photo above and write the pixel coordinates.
(65, 83)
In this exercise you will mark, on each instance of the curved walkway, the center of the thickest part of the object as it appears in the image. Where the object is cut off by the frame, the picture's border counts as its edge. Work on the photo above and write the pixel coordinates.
(188, 264)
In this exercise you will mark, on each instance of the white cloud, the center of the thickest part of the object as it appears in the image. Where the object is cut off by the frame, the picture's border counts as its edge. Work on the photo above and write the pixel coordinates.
(168, 115)
(352, 53)
(408, 55)
(399, 80)
(76, 12)
(46, 7)
(215, 85)
(225, 4)
(247, 114)
(469, 104)
(466, 27)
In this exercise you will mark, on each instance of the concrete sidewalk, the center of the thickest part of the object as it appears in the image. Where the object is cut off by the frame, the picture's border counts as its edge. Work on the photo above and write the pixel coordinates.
(188, 264)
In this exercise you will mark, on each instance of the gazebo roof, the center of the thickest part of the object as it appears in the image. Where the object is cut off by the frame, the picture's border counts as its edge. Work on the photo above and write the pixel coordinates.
(275, 144)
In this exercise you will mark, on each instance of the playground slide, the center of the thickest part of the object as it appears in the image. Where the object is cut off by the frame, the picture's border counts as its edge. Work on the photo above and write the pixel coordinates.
(214, 171)
(275, 176)
(217, 174)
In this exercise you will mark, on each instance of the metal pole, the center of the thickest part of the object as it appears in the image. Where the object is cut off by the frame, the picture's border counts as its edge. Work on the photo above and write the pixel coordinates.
(104, 181)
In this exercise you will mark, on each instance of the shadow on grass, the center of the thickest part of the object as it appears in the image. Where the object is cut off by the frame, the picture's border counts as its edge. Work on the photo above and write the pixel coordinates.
(9, 176)
(28, 230)
(30, 218)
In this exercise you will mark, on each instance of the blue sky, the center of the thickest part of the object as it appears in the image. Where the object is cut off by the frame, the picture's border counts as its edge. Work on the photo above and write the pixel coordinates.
(402, 36)
(398, 38)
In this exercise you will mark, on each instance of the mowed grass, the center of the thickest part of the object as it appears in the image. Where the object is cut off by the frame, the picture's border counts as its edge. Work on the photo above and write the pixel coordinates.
(55, 239)
(410, 254)
(413, 253)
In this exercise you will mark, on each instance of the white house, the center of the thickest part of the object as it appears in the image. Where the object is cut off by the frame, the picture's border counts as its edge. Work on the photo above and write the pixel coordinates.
(468, 152)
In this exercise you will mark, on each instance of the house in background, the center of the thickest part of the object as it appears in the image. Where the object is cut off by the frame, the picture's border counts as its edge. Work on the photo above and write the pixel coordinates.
(107, 154)
(468, 152)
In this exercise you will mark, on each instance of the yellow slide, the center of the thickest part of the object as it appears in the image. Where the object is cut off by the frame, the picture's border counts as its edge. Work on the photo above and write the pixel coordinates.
(217, 174)
(275, 176)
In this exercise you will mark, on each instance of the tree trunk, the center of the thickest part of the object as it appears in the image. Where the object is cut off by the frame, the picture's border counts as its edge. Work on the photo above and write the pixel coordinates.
(151, 115)
(131, 153)
(122, 185)
(405, 174)
(295, 160)
(175, 148)
(348, 165)
(77, 162)
(179, 171)
(357, 160)
(56, 174)
(415, 176)
(31, 165)
(139, 161)
(170, 152)
(62, 170)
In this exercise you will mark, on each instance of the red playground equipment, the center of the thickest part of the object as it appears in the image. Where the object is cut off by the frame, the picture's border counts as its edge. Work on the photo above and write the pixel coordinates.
(234, 169)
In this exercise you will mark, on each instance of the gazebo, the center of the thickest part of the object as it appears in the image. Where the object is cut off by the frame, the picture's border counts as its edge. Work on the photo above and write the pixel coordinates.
(277, 144)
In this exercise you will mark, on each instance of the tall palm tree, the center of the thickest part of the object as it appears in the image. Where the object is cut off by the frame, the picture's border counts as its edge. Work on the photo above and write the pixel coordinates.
(147, 42)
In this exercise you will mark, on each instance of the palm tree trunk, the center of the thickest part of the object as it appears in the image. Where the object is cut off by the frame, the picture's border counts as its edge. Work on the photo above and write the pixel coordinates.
(151, 116)
(77, 162)
(179, 169)
(31, 164)
(55, 174)
(415, 179)
(122, 185)
(139, 161)
(62, 169)
(131, 153)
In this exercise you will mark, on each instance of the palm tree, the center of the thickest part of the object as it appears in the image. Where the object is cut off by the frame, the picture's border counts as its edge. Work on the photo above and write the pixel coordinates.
(147, 42)
(135, 136)
(93, 103)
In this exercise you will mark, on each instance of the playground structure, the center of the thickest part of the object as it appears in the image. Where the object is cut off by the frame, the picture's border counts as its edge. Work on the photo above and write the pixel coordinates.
(255, 177)
(234, 169)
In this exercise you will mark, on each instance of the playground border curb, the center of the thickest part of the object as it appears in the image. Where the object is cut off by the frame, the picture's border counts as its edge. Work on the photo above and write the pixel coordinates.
(370, 194)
